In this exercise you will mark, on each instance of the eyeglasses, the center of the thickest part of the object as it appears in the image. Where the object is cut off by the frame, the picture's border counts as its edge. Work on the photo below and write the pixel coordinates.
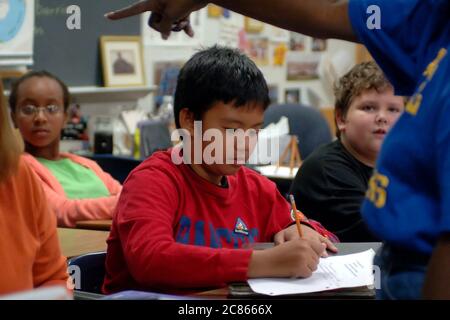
(30, 110)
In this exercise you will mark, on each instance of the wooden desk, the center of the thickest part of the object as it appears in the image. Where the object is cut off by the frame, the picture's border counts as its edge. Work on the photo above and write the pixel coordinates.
(246, 293)
(75, 242)
(95, 224)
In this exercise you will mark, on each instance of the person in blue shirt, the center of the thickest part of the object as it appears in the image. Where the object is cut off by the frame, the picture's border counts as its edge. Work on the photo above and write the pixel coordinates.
(408, 201)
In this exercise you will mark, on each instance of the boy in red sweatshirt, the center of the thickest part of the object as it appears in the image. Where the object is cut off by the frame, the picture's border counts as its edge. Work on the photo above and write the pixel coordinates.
(186, 216)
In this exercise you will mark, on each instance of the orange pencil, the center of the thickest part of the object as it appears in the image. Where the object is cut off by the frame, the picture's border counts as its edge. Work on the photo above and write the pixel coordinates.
(297, 218)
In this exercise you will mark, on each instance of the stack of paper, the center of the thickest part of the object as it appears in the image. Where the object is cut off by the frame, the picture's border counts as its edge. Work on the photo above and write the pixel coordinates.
(347, 271)
(277, 172)
(272, 140)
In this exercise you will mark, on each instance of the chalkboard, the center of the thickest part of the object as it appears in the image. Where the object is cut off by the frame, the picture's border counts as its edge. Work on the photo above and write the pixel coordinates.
(74, 55)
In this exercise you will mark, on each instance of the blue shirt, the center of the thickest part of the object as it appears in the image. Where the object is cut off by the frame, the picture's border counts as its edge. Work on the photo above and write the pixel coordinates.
(408, 200)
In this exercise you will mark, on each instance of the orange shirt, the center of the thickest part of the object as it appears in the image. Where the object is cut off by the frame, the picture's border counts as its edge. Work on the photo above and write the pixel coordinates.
(30, 255)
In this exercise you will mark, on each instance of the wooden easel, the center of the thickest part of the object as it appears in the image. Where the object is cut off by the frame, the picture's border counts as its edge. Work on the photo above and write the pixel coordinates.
(295, 159)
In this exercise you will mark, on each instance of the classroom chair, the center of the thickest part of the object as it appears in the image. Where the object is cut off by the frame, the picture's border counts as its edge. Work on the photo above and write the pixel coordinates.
(307, 123)
(155, 136)
(119, 167)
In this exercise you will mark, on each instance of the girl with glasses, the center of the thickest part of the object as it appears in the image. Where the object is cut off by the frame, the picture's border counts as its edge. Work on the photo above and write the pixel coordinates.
(76, 187)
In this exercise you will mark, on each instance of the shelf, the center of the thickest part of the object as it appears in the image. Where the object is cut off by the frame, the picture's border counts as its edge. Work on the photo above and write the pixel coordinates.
(107, 94)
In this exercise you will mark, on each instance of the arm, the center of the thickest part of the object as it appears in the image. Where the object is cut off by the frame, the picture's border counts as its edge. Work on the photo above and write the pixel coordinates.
(280, 227)
(437, 280)
(294, 259)
(319, 18)
(147, 219)
(113, 186)
(146, 222)
(68, 211)
(49, 266)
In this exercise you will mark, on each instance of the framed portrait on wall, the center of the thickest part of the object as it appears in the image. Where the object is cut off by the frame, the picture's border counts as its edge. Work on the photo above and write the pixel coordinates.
(292, 95)
(122, 61)
(318, 44)
(302, 66)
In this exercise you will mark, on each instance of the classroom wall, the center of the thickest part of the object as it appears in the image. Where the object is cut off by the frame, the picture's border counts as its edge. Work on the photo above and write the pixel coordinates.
(181, 48)
(210, 34)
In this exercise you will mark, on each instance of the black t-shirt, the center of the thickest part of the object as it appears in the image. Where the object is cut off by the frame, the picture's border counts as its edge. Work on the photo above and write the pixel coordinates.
(330, 187)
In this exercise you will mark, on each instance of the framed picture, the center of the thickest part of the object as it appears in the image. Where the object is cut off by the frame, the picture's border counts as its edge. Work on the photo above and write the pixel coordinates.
(297, 41)
(273, 93)
(292, 95)
(318, 44)
(122, 61)
(302, 66)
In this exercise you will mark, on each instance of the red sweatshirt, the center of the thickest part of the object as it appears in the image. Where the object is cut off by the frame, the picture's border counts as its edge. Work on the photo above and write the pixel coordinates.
(173, 229)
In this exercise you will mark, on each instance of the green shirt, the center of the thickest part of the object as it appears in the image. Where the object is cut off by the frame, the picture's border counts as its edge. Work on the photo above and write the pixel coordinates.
(77, 181)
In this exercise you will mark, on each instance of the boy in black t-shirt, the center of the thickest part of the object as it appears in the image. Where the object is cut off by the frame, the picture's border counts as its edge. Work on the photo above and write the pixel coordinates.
(331, 183)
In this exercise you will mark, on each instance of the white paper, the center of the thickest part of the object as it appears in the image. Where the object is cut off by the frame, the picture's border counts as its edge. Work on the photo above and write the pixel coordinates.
(55, 292)
(278, 129)
(277, 172)
(131, 119)
(347, 271)
(272, 140)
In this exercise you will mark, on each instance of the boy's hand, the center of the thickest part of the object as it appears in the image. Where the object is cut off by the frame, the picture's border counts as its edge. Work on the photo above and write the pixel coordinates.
(166, 15)
(296, 258)
(291, 233)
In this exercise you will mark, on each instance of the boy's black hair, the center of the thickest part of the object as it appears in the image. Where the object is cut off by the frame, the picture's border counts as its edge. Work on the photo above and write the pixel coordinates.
(218, 74)
(40, 74)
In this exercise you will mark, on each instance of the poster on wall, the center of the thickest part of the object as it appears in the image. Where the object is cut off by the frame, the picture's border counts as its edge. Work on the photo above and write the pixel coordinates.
(230, 28)
(214, 11)
(258, 50)
(279, 54)
(253, 26)
(278, 34)
(229, 34)
(165, 77)
(16, 32)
